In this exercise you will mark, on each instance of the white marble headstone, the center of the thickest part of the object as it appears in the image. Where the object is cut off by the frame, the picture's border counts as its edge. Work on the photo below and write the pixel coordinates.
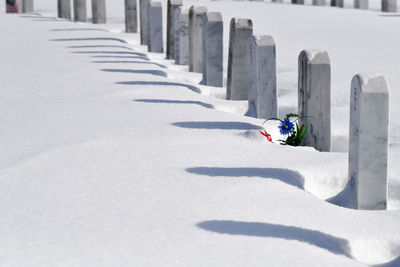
(154, 27)
(182, 36)
(64, 9)
(314, 98)
(368, 140)
(172, 6)
(196, 38)
(263, 97)
(27, 6)
(143, 21)
(80, 11)
(238, 72)
(99, 11)
(213, 49)
(361, 4)
(131, 16)
(319, 2)
(389, 5)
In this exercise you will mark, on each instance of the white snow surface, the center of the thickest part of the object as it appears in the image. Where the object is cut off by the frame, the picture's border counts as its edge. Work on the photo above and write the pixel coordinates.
(112, 156)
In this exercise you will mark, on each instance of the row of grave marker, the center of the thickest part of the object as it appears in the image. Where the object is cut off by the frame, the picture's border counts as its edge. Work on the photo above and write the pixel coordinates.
(195, 38)
(99, 12)
(386, 5)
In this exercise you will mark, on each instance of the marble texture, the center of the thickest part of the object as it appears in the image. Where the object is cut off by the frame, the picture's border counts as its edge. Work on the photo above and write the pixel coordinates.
(154, 27)
(182, 36)
(263, 97)
(337, 3)
(99, 12)
(238, 73)
(361, 4)
(368, 140)
(80, 13)
(131, 16)
(277, 1)
(27, 6)
(143, 21)
(171, 12)
(196, 38)
(298, 2)
(213, 36)
(314, 97)
(389, 5)
(64, 9)
(319, 2)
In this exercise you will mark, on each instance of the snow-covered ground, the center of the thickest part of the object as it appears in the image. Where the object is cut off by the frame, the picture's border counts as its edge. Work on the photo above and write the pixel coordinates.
(112, 156)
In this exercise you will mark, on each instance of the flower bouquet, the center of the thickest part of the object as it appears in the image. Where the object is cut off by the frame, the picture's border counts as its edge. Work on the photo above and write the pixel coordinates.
(289, 127)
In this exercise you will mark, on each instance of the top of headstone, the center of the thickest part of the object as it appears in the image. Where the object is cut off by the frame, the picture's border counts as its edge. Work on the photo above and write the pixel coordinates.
(182, 11)
(371, 83)
(175, 2)
(198, 9)
(213, 16)
(155, 4)
(242, 23)
(263, 40)
(316, 56)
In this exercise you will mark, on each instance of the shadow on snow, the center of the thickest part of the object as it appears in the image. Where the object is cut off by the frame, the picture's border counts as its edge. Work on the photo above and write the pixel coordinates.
(284, 175)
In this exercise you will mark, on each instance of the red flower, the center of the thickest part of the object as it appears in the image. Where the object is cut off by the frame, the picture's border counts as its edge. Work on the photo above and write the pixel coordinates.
(267, 135)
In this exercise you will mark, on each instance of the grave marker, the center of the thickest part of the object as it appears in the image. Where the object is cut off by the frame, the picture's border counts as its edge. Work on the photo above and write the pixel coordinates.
(99, 11)
(389, 5)
(238, 72)
(154, 27)
(319, 2)
(172, 6)
(182, 37)
(27, 6)
(368, 140)
(263, 95)
(64, 9)
(361, 4)
(314, 99)
(80, 10)
(131, 16)
(196, 38)
(337, 3)
(213, 30)
(143, 21)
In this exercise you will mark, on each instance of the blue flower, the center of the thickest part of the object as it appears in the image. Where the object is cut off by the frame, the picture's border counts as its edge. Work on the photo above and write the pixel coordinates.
(286, 127)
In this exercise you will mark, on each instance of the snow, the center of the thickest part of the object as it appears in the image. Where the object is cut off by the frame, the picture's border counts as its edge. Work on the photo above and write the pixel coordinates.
(112, 156)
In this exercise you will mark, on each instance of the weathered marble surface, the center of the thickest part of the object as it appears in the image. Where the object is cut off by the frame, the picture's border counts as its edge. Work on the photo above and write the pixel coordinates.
(277, 1)
(213, 35)
(361, 4)
(196, 38)
(80, 13)
(99, 11)
(131, 16)
(319, 2)
(171, 12)
(64, 9)
(263, 95)
(154, 27)
(143, 21)
(337, 3)
(238, 73)
(314, 99)
(368, 140)
(389, 5)
(27, 6)
(182, 36)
